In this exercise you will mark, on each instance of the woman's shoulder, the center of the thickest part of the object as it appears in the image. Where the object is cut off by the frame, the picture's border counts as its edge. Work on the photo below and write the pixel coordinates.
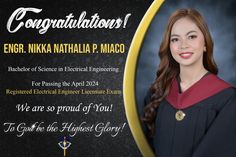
(229, 93)
(229, 89)
(225, 98)
(219, 85)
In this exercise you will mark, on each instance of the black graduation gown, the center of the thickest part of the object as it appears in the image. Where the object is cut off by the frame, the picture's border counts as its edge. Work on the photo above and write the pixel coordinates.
(208, 128)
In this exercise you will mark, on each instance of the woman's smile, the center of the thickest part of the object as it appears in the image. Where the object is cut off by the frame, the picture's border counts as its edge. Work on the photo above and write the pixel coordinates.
(186, 55)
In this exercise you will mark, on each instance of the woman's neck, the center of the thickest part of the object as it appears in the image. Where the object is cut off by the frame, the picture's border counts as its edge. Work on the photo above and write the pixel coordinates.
(190, 75)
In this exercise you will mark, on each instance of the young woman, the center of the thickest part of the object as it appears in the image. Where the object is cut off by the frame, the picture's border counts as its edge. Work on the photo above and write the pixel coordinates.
(189, 111)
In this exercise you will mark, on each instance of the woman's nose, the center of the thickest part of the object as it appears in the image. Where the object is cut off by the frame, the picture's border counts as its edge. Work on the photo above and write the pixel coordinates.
(184, 44)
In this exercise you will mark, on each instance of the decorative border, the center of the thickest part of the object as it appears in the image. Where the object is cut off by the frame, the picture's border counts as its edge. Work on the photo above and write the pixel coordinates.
(129, 80)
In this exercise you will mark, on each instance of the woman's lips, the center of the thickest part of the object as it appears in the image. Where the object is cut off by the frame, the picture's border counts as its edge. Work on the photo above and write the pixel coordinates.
(185, 55)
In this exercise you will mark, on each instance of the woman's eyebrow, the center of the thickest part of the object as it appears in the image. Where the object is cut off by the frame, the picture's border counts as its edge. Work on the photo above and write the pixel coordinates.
(174, 35)
(191, 32)
(186, 33)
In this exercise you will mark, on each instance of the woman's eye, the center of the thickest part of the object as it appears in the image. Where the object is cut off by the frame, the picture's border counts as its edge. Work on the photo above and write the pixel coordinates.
(192, 37)
(174, 40)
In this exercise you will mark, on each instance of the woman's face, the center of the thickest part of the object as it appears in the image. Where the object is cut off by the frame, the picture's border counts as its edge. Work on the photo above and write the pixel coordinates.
(187, 43)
